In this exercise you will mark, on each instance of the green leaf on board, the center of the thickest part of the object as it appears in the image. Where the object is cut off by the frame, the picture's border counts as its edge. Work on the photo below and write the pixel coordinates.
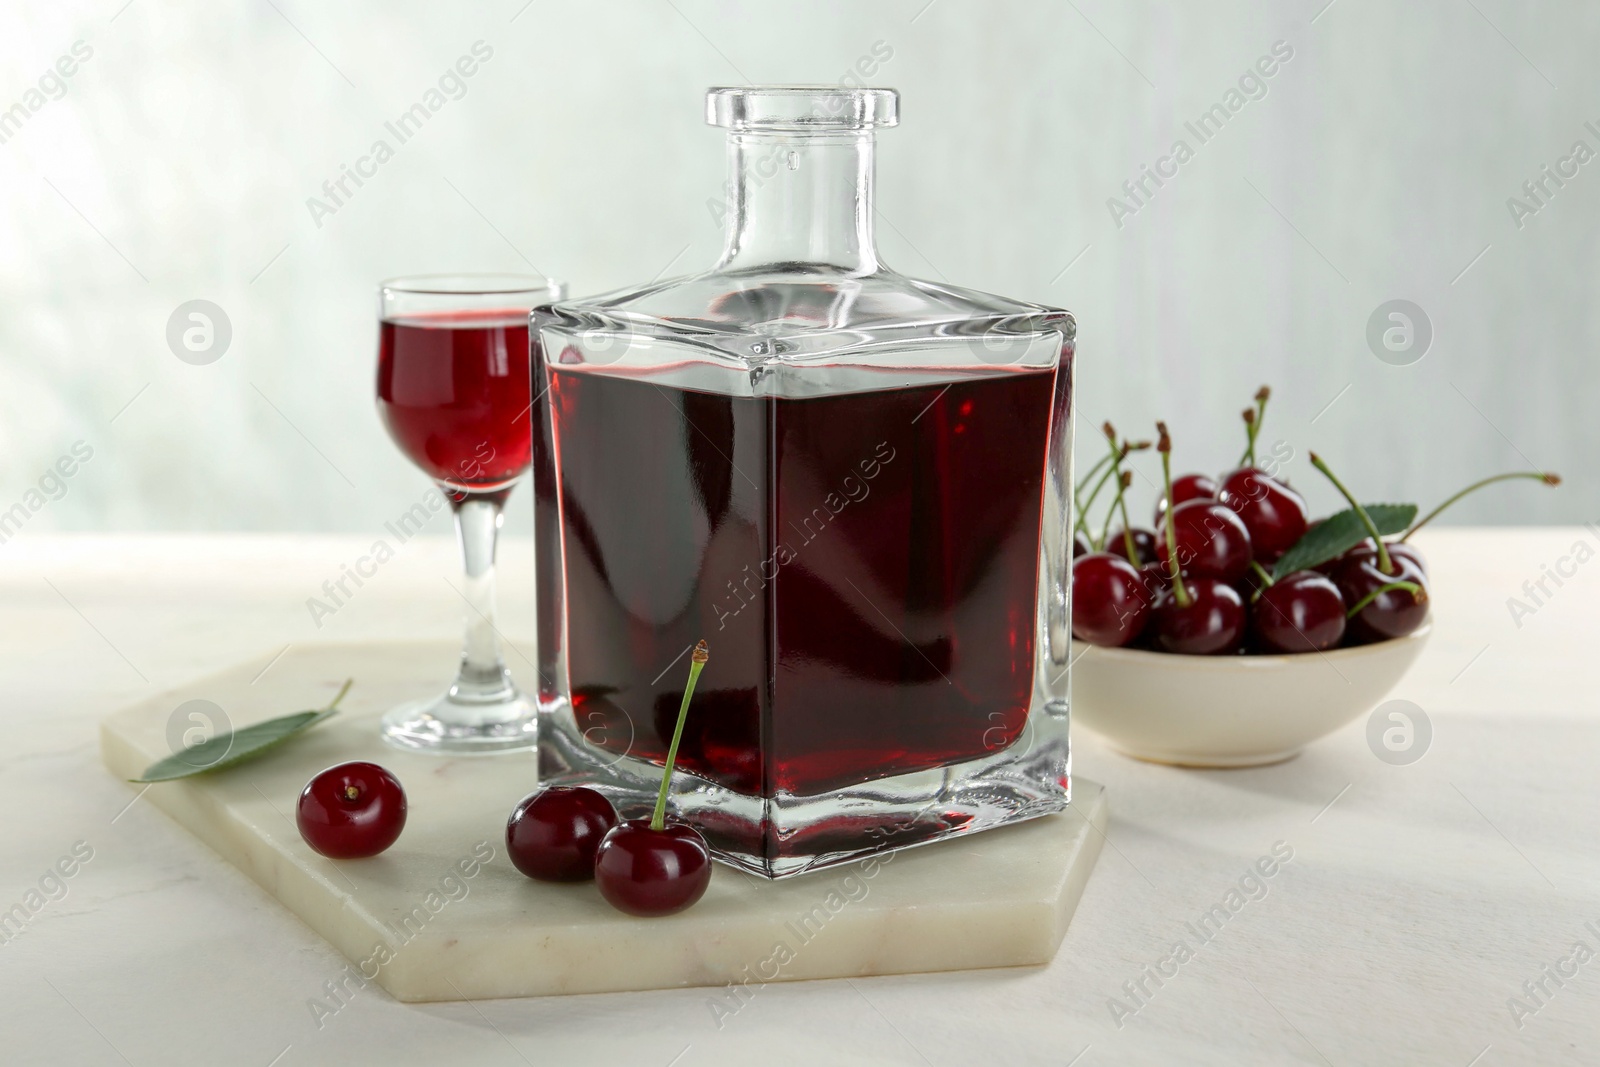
(236, 746)
(1339, 533)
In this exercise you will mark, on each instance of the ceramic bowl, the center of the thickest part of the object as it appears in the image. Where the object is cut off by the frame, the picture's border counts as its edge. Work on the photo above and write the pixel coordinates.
(1231, 711)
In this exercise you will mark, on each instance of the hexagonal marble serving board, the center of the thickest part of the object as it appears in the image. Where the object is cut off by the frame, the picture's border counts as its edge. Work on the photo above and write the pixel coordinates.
(443, 915)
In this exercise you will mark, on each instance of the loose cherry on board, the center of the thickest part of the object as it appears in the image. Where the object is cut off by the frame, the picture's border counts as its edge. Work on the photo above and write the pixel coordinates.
(647, 867)
(1197, 616)
(1212, 541)
(553, 834)
(1301, 612)
(1110, 604)
(351, 811)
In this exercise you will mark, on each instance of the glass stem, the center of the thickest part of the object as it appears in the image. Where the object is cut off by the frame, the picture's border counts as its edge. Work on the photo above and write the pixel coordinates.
(483, 678)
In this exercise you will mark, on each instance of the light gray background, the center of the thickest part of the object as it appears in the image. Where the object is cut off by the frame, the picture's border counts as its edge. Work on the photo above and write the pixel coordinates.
(178, 163)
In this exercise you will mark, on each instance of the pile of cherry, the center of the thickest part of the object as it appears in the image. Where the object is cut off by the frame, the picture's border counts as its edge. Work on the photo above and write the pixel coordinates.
(1254, 572)
(645, 867)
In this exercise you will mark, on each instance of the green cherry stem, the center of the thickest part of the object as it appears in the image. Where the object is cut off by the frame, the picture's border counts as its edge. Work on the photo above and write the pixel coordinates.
(1411, 587)
(1081, 525)
(697, 663)
(1543, 476)
(1091, 472)
(1267, 581)
(1077, 490)
(1252, 425)
(1385, 564)
(1248, 459)
(1164, 446)
(1124, 479)
(1127, 526)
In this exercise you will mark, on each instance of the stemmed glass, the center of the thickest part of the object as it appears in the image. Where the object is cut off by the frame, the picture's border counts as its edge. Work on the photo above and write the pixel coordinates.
(453, 392)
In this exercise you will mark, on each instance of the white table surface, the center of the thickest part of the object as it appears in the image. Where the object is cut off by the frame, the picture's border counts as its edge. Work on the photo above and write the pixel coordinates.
(1414, 906)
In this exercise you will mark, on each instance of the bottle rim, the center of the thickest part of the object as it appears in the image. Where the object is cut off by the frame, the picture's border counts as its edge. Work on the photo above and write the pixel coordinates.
(799, 108)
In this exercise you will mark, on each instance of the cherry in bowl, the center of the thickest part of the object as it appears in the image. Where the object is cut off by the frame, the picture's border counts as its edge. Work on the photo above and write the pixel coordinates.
(1275, 514)
(1110, 602)
(1212, 541)
(351, 811)
(1186, 487)
(1386, 612)
(1301, 612)
(1209, 620)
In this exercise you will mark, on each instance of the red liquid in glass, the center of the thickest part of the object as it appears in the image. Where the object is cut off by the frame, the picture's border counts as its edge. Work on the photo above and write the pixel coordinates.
(879, 550)
(453, 393)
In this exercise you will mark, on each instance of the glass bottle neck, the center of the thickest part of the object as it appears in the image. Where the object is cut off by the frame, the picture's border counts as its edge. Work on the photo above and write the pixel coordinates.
(800, 198)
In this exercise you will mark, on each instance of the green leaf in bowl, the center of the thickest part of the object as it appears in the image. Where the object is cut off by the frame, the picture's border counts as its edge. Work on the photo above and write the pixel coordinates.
(1341, 532)
(225, 750)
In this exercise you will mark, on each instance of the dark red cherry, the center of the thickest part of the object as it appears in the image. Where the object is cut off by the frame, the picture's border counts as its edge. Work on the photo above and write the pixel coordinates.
(1396, 548)
(1212, 541)
(652, 872)
(554, 833)
(1274, 514)
(1079, 548)
(1211, 624)
(351, 811)
(1186, 487)
(1110, 604)
(1302, 612)
(1392, 614)
(1144, 545)
(1409, 551)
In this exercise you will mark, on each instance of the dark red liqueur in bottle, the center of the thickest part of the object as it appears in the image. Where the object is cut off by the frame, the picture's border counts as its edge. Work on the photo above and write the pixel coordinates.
(879, 549)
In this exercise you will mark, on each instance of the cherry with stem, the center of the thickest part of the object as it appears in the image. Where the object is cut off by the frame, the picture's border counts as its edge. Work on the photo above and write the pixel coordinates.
(1387, 590)
(1203, 616)
(649, 867)
(1164, 446)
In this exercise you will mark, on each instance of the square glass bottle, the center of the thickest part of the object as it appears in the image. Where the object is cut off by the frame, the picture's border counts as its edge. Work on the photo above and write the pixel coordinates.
(854, 485)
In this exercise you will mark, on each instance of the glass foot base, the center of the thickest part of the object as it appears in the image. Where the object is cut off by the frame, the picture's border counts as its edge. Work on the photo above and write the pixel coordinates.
(449, 727)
